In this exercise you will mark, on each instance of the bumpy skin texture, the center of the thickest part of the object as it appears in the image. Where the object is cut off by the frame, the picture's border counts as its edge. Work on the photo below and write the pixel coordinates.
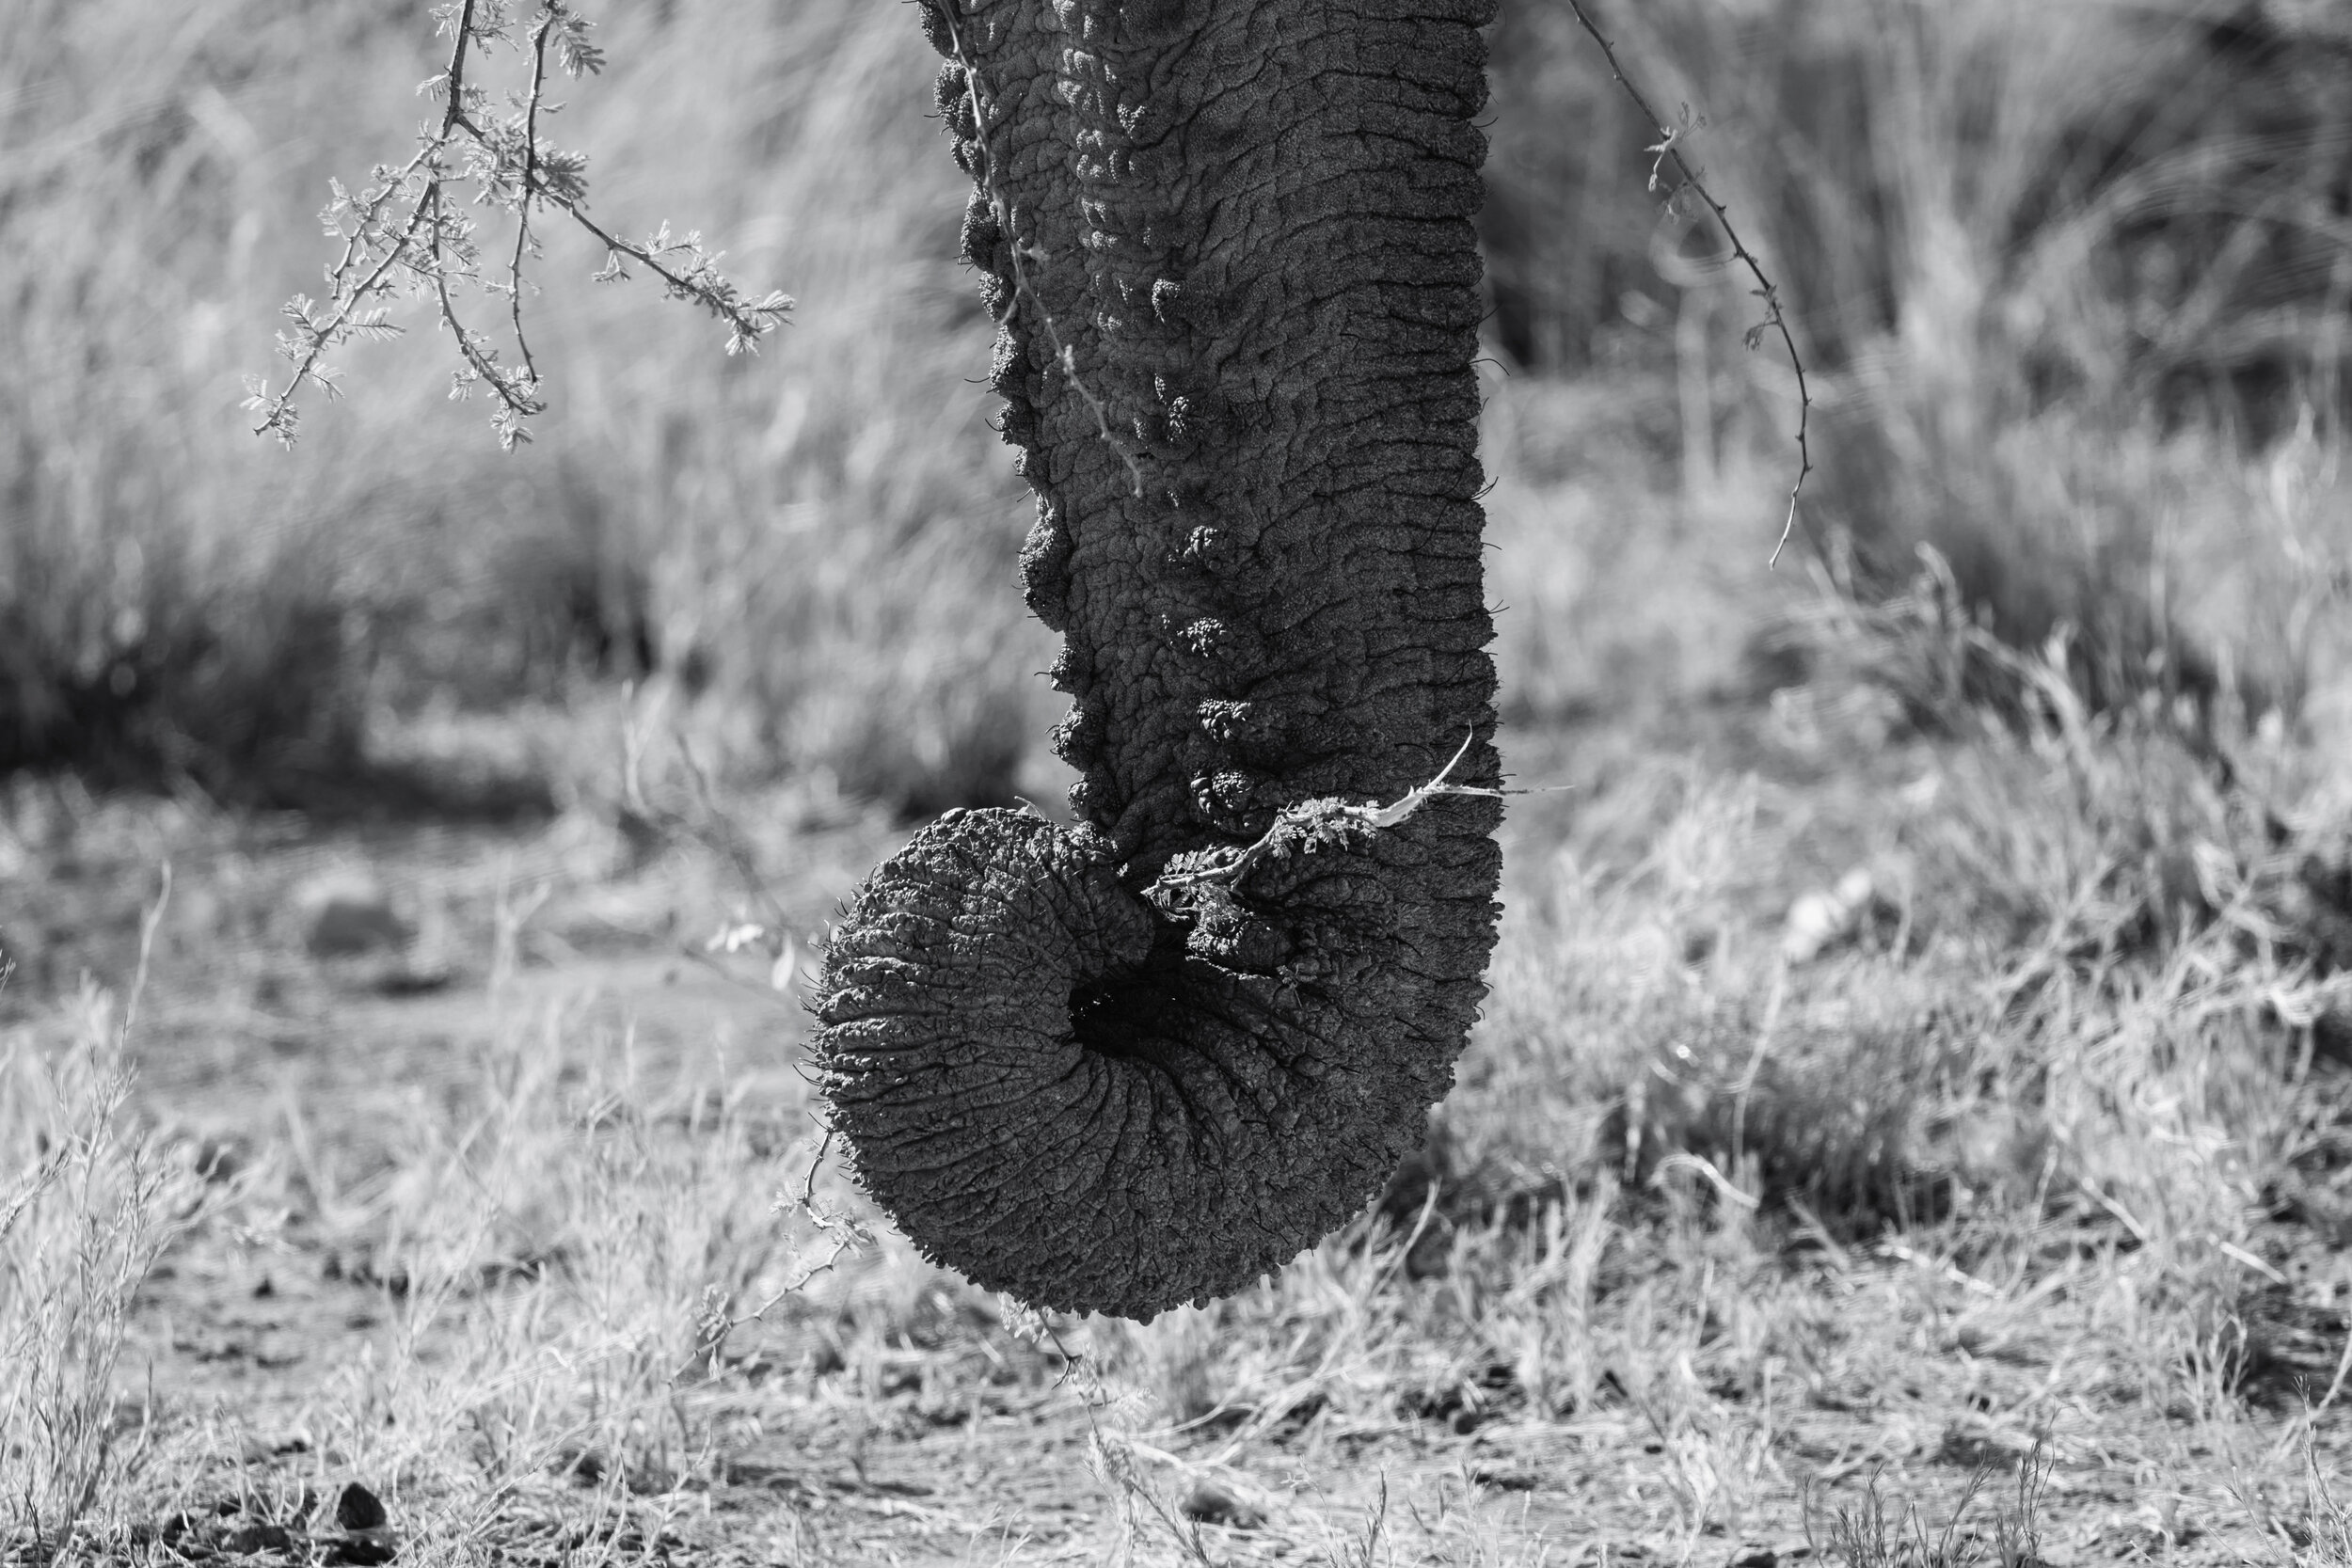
(1099, 1067)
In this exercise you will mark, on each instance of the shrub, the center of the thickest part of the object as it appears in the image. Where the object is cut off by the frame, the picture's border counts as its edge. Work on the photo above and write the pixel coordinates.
(88, 1201)
(179, 599)
(2064, 268)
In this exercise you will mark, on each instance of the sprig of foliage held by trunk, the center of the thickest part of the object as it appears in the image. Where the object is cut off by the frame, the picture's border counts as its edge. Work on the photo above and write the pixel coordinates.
(406, 232)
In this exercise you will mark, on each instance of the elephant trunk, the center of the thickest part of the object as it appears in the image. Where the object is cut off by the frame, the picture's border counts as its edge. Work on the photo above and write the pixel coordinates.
(1144, 1060)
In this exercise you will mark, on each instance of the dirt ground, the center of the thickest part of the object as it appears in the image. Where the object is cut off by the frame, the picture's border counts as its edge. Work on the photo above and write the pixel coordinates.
(961, 1441)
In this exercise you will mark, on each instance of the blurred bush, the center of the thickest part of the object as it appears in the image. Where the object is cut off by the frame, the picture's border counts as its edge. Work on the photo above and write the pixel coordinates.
(2064, 271)
(818, 541)
(2075, 274)
(2144, 197)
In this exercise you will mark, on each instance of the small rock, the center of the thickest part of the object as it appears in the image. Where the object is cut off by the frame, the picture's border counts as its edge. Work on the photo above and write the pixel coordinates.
(1213, 1504)
(414, 979)
(357, 1509)
(1505, 1480)
(346, 913)
(249, 1539)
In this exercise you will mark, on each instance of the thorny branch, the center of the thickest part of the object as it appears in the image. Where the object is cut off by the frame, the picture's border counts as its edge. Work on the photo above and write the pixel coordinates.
(714, 1323)
(976, 92)
(531, 178)
(1110, 1452)
(701, 282)
(1670, 149)
(422, 252)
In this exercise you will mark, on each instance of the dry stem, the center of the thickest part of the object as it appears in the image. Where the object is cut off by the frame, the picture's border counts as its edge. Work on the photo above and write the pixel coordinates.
(1670, 147)
(434, 246)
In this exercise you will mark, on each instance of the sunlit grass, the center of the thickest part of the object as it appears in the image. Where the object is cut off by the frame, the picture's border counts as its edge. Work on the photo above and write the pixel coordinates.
(2028, 1113)
(91, 1203)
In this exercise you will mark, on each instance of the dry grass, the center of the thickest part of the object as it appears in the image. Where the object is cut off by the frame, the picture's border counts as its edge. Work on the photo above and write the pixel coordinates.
(2030, 1151)
(2070, 274)
(563, 1253)
(91, 1204)
(2075, 1124)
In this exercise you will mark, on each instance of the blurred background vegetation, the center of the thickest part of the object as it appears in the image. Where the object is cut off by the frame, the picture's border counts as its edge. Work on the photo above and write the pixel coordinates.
(2075, 279)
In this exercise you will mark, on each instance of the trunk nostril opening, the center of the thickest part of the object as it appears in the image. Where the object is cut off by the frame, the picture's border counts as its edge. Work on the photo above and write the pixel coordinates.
(1128, 1018)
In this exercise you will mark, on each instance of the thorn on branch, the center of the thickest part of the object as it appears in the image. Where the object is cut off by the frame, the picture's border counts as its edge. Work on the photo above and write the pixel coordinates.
(401, 237)
(1668, 148)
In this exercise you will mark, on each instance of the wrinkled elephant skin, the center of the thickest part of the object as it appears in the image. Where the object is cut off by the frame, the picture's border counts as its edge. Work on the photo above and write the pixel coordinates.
(1121, 1065)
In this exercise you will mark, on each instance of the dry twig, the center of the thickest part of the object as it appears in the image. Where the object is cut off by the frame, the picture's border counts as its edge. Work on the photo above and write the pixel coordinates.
(1668, 147)
(1390, 816)
(429, 245)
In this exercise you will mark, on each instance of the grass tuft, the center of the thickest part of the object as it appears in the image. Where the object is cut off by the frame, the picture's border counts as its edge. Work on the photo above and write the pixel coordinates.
(91, 1201)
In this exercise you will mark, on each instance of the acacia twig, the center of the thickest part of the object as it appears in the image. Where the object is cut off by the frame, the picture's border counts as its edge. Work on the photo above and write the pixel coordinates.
(530, 180)
(432, 245)
(1670, 147)
(278, 413)
(747, 323)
